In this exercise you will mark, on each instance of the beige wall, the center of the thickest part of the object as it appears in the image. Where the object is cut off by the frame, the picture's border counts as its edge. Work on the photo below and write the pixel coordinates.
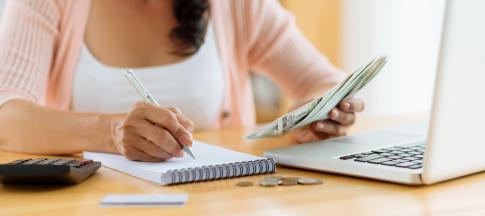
(320, 21)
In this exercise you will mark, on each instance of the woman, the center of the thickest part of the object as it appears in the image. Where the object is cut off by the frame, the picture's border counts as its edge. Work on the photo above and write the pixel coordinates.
(61, 64)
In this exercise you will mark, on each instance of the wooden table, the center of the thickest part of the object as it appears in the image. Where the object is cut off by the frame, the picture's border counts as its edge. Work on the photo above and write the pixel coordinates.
(339, 195)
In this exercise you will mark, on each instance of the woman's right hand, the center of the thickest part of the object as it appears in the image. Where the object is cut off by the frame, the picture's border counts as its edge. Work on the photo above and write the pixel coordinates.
(150, 133)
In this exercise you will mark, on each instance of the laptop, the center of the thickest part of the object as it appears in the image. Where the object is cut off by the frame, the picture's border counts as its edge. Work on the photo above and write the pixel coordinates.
(451, 145)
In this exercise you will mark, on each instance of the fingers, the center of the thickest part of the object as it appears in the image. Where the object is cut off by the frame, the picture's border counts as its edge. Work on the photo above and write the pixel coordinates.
(151, 149)
(320, 130)
(352, 105)
(341, 117)
(164, 118)
(160, 137)
(135, 154)
(151, 133)
(132, 149)
(158, 116)
(330, 128)
(308, 135)
(184, 136)
(183, 120)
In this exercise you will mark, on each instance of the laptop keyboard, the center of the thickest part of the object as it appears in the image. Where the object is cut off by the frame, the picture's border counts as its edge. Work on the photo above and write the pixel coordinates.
(410, 157)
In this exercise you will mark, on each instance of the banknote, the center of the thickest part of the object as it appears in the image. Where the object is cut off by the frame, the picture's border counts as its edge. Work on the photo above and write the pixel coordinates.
(318, 108)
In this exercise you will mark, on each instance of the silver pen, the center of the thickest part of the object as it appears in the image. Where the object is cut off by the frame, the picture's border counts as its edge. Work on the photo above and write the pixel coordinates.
(147, 97)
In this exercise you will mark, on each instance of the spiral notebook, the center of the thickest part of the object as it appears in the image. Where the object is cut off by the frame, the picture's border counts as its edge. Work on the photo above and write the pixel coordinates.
(212, 163)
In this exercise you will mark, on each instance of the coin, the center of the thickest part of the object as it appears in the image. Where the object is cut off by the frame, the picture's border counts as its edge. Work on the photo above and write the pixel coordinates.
(269, 182)
(293, 178)
(309, 181)
(244, 184)
(290, 181)
(273, 178)
(278, 177)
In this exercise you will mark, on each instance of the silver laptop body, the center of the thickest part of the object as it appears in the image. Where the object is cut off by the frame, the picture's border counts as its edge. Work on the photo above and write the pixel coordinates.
(450, 146)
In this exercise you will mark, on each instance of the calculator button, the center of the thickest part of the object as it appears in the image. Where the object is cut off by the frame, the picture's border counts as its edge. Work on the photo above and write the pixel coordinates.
(33, 161)
(46, 162)
(69, 162)
(76, 164)
(86, 162)
(65, 162)
(17, 162)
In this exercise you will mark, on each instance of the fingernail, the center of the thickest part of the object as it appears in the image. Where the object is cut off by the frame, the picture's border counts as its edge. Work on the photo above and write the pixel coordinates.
(186, 139)
(319, 126)
(346, 106)
(190, 130)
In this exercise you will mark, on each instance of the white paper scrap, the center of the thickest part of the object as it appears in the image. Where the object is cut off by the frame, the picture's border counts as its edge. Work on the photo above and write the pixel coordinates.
(144, 200)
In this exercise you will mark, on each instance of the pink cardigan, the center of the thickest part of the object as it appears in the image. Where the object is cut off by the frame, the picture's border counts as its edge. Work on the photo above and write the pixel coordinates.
(40, 43)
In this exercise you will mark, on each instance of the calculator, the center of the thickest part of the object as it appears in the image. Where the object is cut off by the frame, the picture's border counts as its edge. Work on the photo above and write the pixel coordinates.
(47, 171)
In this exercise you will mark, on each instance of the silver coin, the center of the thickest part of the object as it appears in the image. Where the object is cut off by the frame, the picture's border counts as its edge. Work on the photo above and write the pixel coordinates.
(272, 178)
(269, 182)
(309, 181)
(278, 177)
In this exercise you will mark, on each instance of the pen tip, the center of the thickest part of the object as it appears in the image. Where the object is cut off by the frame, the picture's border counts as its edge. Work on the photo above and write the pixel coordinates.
(189, 152)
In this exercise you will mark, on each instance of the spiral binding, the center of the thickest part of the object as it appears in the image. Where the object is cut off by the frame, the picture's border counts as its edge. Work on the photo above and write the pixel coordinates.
(230, 170)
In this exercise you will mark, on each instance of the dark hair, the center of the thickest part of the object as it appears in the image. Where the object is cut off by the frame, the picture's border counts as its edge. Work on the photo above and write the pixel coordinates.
(192, 17)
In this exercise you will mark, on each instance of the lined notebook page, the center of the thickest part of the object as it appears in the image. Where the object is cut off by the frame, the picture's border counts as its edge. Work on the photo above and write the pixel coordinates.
(207, 155)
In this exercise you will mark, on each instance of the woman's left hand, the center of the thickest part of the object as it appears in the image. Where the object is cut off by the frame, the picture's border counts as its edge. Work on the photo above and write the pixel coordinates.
(340, 119)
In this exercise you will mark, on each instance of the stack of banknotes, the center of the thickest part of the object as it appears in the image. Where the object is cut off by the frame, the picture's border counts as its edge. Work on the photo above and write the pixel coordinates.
(319, 108)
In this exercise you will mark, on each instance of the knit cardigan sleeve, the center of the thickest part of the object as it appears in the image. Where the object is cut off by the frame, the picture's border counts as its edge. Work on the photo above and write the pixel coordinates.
(28, 33)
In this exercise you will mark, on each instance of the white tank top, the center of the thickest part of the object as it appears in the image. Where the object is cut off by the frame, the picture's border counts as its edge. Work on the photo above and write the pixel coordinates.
(195, 86)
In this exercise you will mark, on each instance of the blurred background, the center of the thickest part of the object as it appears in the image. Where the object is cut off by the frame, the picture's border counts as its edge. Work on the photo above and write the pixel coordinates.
(351, 32)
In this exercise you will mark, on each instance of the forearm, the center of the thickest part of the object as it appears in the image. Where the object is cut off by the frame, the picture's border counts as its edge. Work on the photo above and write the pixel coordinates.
(30, 128)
